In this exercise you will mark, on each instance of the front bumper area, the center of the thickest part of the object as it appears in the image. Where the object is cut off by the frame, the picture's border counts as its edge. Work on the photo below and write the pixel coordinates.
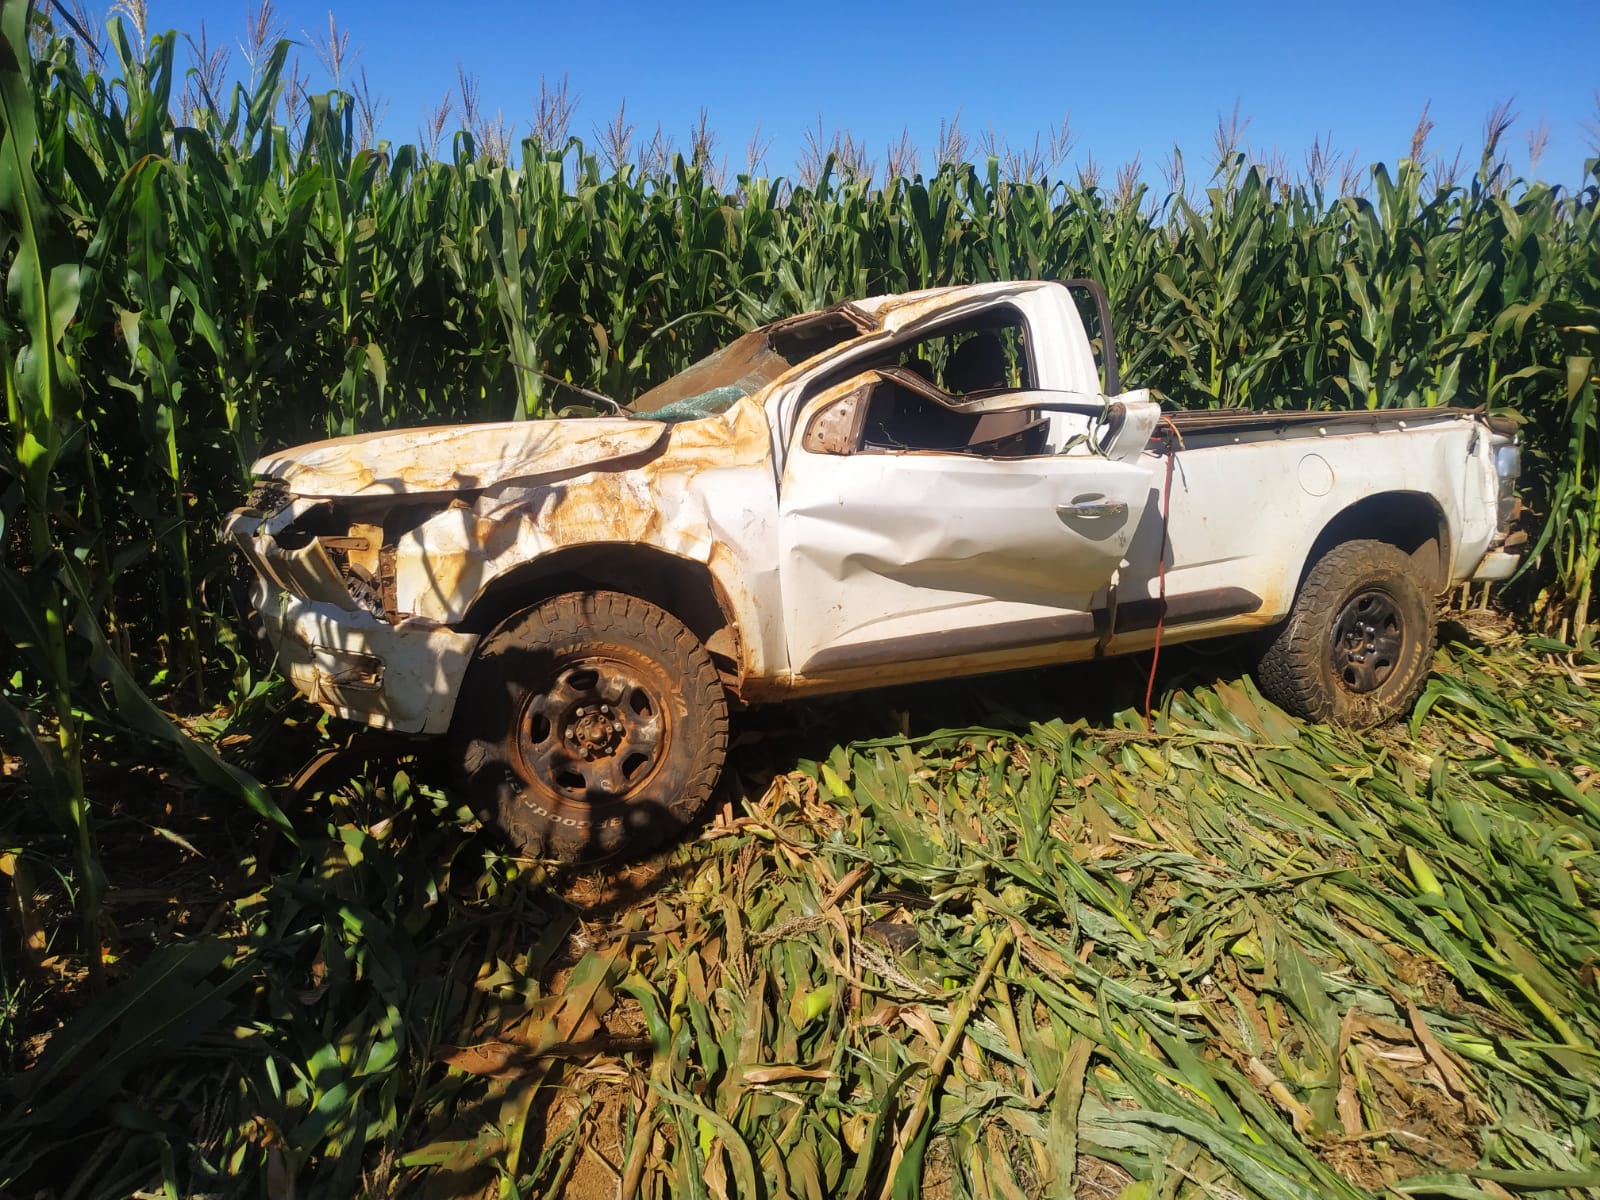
(352, 658)
(1496, 566)
(401, 677)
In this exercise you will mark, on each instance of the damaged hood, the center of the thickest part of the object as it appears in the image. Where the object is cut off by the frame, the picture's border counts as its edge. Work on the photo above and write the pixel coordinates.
(454, 458)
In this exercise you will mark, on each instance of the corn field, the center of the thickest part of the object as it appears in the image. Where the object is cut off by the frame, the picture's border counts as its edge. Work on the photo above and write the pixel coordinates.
(1344, 936)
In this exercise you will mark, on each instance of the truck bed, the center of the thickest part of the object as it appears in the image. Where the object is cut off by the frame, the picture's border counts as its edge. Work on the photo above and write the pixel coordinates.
(1224, 422)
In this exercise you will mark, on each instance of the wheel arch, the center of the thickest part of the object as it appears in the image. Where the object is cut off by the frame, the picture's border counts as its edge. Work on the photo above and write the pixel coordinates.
(684, 587)
(1412, 522)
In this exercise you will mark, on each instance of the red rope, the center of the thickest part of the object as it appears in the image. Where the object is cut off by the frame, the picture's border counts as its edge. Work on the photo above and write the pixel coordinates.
(1161, 570)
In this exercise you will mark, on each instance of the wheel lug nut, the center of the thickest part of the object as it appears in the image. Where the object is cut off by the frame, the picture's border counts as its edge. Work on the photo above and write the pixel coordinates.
(605, 710)
(616, 726)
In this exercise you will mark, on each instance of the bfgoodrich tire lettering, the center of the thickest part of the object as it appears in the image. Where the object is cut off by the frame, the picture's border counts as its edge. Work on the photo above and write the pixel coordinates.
(1356, 647)
(589, 723)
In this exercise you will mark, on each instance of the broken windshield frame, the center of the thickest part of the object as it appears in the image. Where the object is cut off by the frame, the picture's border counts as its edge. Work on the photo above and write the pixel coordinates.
(750, 363)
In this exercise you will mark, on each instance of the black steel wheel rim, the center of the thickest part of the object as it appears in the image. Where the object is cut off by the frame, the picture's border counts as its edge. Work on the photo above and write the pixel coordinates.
(1368, 636)
(597, 734)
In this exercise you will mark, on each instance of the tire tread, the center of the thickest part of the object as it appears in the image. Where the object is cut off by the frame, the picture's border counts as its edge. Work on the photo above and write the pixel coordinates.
(1290, 671)
(600, 616)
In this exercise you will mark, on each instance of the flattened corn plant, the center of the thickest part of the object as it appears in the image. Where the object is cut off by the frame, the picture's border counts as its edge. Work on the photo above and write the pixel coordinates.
(1238, 955)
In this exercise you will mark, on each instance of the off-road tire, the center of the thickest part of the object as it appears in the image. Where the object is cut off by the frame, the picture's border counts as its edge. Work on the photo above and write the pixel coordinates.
(591, 723)
(1356, 647)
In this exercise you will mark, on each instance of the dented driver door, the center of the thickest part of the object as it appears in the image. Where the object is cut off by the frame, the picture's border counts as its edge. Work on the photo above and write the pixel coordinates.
(897, 555)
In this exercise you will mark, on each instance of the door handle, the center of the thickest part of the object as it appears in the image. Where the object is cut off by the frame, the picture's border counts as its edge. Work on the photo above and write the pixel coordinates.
(1093, 510)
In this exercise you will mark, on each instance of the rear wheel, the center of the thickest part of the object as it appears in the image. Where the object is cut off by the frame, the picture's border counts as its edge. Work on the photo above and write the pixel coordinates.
(588, 724)
(1356, 647)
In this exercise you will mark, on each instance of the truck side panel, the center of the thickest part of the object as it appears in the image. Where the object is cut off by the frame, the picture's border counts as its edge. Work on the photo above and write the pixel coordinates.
(1246, 513)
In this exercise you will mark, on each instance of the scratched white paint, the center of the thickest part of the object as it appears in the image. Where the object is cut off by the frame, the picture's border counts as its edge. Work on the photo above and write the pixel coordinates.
(817, 556)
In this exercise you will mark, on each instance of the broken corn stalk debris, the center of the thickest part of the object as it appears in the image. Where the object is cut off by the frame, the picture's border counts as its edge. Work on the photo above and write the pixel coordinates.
(1244, 956)
(1239, 956)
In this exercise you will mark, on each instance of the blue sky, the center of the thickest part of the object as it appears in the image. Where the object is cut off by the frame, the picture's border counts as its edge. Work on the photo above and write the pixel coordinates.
(1135, 79)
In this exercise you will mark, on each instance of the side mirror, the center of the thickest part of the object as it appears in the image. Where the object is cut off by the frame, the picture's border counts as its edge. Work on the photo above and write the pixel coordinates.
(1129, 421)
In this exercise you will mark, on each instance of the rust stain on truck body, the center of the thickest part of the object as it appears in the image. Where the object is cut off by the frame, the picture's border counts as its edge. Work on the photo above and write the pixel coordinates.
(834, 562)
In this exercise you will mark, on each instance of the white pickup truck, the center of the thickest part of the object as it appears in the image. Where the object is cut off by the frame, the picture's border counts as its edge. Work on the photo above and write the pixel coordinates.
(902, 488)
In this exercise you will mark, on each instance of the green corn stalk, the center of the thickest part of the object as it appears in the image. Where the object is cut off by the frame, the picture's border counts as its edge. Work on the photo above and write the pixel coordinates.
(43, 282)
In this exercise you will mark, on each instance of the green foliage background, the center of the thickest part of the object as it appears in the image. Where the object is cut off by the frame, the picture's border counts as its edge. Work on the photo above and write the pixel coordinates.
(232, 284)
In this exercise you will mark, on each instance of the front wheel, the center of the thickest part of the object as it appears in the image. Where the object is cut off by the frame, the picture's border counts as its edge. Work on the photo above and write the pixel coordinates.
(588, 724)
(1356, 646)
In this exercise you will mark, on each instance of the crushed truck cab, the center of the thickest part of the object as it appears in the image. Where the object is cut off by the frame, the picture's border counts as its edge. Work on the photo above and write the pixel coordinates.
(897, 489)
